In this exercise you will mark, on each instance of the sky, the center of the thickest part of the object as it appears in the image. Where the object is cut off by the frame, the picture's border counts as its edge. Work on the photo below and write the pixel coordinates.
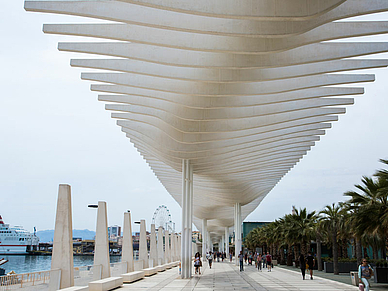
(54, 131)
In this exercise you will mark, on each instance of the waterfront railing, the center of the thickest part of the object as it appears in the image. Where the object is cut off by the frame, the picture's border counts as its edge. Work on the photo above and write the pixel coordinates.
(16, 281)
(82, 276)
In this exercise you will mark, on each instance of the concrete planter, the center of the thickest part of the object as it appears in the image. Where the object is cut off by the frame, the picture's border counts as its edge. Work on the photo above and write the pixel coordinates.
(343, 267)
(381, 274)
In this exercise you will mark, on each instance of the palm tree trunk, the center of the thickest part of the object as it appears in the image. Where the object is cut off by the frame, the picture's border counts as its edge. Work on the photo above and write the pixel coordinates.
(303, 248)
(281, 255)
(345, 248)
(335, 252)
(319, 253)
(289, 255)
(375, 252)
(383, 252)
(358, 250)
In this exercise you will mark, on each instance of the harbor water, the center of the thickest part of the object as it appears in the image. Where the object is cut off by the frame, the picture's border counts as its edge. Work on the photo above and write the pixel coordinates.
(32, 263)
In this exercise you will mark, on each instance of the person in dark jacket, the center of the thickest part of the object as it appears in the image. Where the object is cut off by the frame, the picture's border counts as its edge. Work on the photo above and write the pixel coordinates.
(302, 262)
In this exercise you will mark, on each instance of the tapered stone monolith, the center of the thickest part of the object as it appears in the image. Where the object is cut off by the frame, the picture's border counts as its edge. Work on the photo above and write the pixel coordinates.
(167, 247)
(127, 247)
(62, 256)
(143, 250)
(101, 247)
(153, 248)
(172, 247)
(161, 259)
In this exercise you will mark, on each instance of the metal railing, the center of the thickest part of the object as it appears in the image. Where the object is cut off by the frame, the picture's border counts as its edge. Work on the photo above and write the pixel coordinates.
(82, 276)
(16, 281)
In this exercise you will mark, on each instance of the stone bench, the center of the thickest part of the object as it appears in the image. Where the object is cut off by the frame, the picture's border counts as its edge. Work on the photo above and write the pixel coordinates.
(150, 271)
(106, 284)
(166, 266)
(161, 268)
(172, 264)
(76, 288)
(132, 276)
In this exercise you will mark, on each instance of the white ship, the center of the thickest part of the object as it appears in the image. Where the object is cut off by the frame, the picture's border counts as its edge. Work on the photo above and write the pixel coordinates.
(16, 240)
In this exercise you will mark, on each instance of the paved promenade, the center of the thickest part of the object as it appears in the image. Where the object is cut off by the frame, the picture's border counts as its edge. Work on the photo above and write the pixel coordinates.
(226, 276)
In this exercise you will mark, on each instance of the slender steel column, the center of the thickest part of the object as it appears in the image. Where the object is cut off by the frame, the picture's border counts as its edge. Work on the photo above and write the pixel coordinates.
(204, 238)
(227, 241)
(187, 218)
(237, 230)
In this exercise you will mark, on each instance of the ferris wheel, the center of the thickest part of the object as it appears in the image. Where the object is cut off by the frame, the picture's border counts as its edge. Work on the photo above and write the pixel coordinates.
(162, 217)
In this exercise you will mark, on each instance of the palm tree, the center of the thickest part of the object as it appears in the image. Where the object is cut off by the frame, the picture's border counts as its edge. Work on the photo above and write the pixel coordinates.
(331, 220)
(371, 207)
(382, 173)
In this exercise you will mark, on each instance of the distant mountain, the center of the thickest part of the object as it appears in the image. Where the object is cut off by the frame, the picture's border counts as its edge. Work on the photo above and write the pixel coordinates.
(48, 235)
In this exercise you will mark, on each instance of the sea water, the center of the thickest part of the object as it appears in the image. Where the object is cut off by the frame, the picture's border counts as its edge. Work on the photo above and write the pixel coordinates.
(31, 263)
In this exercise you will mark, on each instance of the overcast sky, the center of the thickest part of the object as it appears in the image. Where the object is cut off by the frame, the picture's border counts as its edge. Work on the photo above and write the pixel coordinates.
(53, 130)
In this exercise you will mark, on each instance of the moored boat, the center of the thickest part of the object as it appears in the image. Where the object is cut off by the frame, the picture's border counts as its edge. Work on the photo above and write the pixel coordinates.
(16, 240)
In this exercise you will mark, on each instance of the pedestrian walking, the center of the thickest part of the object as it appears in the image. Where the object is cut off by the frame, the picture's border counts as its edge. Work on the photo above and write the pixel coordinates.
(210, 259)
(241, 259)
(269, 262)
(197, 263)
(310, 264)
(302, 262)
(259, 260)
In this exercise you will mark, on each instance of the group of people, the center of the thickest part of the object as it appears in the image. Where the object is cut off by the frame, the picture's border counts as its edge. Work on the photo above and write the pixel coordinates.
(219, 255)
(365, 271)
(307, 263)
(261, 261)
(209, 257)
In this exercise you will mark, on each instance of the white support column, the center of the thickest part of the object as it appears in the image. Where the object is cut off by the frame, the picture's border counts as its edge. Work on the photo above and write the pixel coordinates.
(161, 259)
(101, 246)
(127, 248)
(237, 230)
(187, 218)
(62, 256)
(167, 246)
(227, 241)
(143, 250)
(208, 242)
(204, 238)
(153, 249)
